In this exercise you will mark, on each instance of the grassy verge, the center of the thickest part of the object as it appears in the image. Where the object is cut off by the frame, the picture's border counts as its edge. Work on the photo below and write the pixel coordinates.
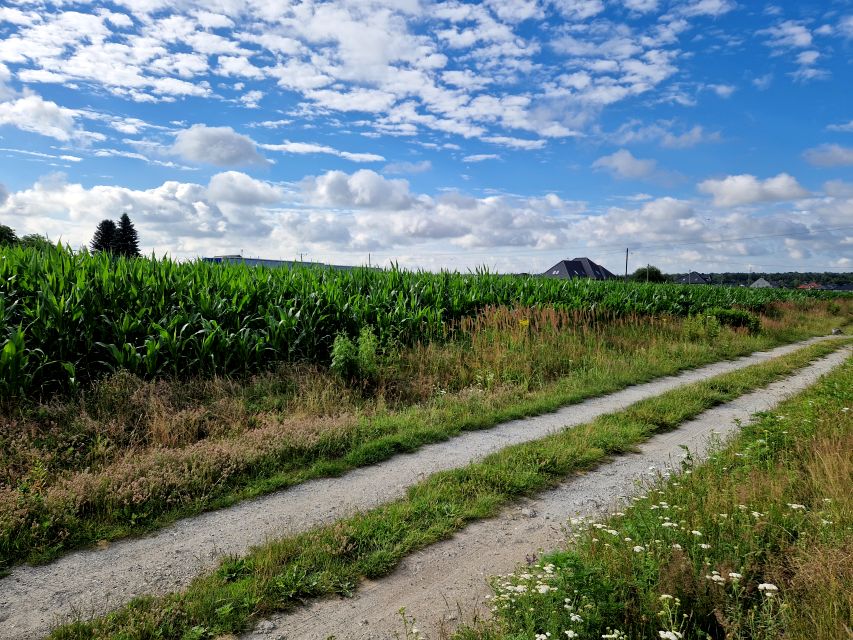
(333, 559)
(132, 456)
(754, 543)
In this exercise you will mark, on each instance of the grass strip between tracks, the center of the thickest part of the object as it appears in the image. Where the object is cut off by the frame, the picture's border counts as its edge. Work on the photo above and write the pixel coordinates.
(332, 559)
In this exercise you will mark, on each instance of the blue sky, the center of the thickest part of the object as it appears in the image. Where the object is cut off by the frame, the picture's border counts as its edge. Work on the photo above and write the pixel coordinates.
(702, 134)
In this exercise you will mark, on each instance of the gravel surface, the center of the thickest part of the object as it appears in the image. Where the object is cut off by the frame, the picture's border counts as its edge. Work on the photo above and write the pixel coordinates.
(94, 581)
(446, 582)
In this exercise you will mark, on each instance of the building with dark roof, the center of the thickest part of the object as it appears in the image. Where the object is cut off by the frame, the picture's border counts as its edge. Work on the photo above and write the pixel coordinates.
(579, 268)
(694, 277)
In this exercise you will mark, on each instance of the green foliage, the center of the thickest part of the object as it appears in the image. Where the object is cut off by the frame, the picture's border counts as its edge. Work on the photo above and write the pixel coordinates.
(702, 327)
(8, 237)
(79, 316)
(36, 241)
(344, 357)
(648, 274)
(105, 237)
(738, 318)
(126, 238)
(356, 362)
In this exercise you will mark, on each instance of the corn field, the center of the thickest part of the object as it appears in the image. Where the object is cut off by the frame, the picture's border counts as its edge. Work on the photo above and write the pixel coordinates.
(67, 318)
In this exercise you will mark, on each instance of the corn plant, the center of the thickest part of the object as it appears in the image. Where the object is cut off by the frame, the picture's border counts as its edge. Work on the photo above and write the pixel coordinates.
(69, 317)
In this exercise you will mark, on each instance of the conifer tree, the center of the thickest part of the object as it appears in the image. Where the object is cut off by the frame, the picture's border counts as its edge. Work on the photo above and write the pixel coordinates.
(127, 240)
(105, 237)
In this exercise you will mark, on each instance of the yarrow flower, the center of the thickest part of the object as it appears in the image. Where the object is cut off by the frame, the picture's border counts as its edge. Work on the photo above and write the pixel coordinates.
(670, 635)
(768, 589)
(735, 576)
(797, 506)
(639, 549)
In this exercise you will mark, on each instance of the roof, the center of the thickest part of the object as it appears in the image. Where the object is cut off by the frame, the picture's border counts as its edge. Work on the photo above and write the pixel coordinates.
(579, 268)
(761, 283)
(694, 277)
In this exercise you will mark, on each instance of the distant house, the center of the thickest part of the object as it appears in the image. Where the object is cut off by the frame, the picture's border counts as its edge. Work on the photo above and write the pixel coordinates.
(579, 268)
(276, 264)
(694, 277)
(810, 285)
(761, 283)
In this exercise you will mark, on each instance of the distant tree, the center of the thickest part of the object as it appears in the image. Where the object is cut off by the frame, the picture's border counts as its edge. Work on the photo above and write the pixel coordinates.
(648, 274)
(36, 241)
(105, 237)
(127, 240)
(7, 236)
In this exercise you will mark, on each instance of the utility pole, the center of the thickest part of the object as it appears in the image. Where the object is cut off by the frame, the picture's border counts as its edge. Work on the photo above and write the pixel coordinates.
(648, 266)
(626, 265)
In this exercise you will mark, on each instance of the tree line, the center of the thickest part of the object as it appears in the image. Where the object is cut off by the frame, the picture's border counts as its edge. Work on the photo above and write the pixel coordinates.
(119, 239)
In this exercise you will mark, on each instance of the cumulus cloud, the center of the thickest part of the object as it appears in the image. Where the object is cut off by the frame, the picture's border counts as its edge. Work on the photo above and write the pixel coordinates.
(830, 155)
(238, 188)
(746, 189)
(362, 189)
(220, 146)
(623, 164)
(35, 114)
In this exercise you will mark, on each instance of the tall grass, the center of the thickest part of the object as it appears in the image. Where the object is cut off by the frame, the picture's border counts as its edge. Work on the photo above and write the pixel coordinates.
(67, 318)
(754, 544)
(334, 558)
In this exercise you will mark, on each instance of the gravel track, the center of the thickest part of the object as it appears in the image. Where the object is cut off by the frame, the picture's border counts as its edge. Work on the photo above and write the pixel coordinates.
(94, 581)
(446, 582)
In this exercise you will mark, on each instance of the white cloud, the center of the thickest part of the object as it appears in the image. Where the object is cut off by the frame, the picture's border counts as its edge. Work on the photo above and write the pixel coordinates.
(829, 155)
(746, 189)
(515, 143)
(845, 127)
(641, 6)
(579, 9)
(669, 134)
(309, 147)
(238, 188)
(481, 157)
(723, 90)
(362, 189)
(408, 167)
(35, 114)
(712, 8)
(788, 35)
(623, 164)
(220, 146)
(845, 25)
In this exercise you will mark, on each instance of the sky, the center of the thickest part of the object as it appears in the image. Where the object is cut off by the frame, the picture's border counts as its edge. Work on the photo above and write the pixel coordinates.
(708, 135)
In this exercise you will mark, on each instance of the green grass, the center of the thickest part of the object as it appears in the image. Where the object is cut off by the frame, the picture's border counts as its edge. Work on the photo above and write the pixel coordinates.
(755, 543)
(62, 494)
(335, 558)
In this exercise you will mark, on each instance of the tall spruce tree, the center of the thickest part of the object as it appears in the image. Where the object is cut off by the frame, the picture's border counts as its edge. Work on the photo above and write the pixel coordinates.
(127, 240)
(105, 237)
